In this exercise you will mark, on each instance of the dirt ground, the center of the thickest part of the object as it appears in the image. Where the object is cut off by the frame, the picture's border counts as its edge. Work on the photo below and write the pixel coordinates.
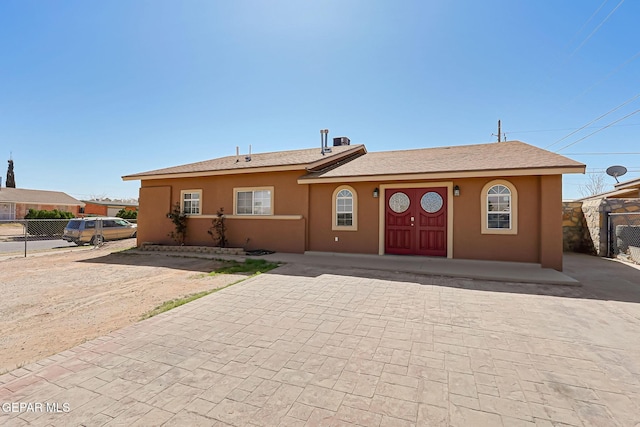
(10, 230)
(52, 302)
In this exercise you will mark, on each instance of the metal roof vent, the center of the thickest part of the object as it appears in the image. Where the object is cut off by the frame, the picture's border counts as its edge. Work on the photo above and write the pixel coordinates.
(342, 140)
(323, 142)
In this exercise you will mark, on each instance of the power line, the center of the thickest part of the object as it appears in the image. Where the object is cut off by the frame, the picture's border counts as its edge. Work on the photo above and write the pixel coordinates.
(595, 120)
(587, 22)
(563, 129)
(599, 154)
(596, 29)
(605, 171)
(615, 70)
(599, 130)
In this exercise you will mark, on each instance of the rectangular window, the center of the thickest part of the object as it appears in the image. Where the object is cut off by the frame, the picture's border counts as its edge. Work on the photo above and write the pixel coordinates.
(253, 202)
(498, 211)
(191, 202)
(344, 211)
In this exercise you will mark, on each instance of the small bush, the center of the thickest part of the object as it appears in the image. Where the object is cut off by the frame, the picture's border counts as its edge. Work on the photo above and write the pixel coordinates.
(44, 214)
(127, 214)
(179, 220)
(53, 228)
(218, 229)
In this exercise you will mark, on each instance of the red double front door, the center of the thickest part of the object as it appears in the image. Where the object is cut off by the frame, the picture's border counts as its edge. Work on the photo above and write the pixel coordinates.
(416, 221)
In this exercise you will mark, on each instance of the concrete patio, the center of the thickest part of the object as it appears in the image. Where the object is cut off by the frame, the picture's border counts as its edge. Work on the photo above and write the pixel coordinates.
(308, 345)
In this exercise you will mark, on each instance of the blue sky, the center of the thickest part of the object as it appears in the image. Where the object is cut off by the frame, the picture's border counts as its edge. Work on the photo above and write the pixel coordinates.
(91, 91)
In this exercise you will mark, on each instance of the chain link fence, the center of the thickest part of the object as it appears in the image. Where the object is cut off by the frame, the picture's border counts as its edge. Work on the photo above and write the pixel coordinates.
(31, 235)
(624, 235)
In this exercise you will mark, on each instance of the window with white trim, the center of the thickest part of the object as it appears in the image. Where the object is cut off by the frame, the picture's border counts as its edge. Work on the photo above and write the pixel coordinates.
(191, 202)
(498, 207)
(344, 209)
(499, 200)
(254, 202)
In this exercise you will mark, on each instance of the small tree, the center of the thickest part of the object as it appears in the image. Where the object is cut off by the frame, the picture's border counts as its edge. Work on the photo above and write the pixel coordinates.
(595, 185)
(179, 220)
(127, 214)
(11, 179)
(218, 229)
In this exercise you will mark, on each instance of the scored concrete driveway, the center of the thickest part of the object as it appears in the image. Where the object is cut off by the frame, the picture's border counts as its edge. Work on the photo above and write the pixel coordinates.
(299, 347)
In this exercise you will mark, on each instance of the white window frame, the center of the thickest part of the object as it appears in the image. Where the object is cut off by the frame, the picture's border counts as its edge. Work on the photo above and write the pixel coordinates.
(354, 209)
(513, 208)
(238, 190)
(183, 193)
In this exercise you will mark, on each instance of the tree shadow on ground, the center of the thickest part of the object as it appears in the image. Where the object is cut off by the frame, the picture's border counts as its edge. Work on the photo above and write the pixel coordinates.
(196, 265)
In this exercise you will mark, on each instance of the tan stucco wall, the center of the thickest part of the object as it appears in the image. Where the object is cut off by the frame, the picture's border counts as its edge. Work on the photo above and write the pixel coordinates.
(539, 238)
(283, 235)
(322, 238)
(470, 243)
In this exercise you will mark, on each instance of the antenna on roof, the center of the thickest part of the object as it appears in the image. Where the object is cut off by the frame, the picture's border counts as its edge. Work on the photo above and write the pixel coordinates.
(616, 171)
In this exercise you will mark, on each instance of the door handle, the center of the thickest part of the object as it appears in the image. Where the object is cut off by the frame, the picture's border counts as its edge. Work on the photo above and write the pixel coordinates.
(412, 219)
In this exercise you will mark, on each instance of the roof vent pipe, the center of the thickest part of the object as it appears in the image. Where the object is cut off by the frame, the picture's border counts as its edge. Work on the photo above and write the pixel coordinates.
(237, 154)
(323, 141)
(248, 158)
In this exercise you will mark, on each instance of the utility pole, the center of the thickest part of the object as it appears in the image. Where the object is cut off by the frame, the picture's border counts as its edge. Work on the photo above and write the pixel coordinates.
(500, 135)
(499, 132)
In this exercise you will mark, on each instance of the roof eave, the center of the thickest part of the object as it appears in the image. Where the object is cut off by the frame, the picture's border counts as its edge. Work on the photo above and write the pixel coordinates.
(258, 169)
(559, 170)
(325, 162)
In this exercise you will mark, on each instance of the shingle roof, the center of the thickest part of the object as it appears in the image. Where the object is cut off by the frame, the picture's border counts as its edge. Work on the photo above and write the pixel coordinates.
(465, 158)
(110, 203)
(632, 183)
(300, 158)
(22, 195)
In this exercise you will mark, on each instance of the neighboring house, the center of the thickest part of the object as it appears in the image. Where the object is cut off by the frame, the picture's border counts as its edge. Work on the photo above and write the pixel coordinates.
(16, 202)
(498, 201)
(622, 190)
(592, 224)
(106, 207)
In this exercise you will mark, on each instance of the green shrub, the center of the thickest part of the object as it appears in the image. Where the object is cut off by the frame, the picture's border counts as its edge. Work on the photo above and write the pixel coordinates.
(127, 214)
(53, 228)
(179, 220)
(218, 229)
(44, 214)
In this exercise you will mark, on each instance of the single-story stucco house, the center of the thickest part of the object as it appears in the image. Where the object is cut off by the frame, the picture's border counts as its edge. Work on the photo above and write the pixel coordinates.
(498, 201)
(16, 202)
(106, 207)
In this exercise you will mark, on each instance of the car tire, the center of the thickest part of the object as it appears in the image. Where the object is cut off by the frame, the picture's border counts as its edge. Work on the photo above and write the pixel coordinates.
(97, 240)
(135, 234)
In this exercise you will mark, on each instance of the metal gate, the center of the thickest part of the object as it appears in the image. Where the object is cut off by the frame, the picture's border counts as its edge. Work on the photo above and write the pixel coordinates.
(623, 234)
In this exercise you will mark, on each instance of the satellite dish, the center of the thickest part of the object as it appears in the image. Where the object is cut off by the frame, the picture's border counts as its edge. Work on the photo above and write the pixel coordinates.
(616, 171)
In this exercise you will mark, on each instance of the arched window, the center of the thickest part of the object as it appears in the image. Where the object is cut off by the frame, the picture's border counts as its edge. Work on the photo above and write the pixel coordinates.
(499, 208)
(345, 208)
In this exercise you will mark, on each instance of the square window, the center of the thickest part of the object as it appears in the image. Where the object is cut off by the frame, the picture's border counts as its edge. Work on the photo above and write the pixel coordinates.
(191, 202)
(255, 202)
